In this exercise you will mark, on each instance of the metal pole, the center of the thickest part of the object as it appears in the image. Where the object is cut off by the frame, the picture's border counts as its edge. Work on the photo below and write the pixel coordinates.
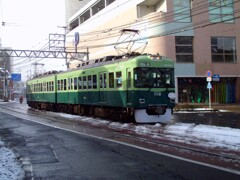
(5, 98)
(209, 90)
(87, 54)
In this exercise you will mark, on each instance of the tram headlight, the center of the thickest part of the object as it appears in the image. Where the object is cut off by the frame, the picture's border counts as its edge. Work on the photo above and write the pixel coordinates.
(172, 95)
(141, 101)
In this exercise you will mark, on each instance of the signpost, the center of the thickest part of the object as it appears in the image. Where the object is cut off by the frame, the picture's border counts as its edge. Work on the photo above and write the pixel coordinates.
(209, 86)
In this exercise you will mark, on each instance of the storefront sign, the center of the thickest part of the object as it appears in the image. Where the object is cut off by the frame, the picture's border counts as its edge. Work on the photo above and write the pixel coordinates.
(216, 77)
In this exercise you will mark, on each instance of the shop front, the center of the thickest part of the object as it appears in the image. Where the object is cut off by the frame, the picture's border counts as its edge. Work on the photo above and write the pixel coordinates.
(194, 90)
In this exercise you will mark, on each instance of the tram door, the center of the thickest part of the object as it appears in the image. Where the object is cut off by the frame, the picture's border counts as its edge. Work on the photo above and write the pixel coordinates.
(102, 86)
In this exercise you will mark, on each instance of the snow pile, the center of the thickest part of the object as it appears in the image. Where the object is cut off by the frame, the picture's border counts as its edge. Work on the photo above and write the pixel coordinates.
(190, 133)
(205, 135)
(10, 168)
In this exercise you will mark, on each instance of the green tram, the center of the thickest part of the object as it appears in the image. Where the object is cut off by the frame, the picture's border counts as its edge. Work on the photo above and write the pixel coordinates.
(139, 87)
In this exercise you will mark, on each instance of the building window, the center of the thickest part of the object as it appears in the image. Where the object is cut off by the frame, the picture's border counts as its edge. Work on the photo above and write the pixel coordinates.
(184, 48)
(85, 16)
(182, 10)
(98, 7)
(109, 2)
(223, 49)
(221, 11)
(74, 24)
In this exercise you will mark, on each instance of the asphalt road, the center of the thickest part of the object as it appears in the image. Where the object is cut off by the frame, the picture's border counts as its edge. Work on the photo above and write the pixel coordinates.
(53, 153)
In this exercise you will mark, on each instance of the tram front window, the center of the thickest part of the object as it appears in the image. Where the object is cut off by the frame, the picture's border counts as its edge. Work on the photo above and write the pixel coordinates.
(153, 77)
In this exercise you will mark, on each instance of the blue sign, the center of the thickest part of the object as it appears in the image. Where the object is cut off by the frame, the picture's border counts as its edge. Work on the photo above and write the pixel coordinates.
(209, 85)
(16, 77)
(209, 73)
(216, 77)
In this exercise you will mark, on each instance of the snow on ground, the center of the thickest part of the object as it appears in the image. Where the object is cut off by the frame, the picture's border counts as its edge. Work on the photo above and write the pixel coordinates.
(10, 168)
(203, 135)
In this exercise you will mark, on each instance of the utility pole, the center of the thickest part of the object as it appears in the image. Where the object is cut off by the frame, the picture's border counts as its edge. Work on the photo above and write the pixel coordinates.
(5, 98)
(4, 59)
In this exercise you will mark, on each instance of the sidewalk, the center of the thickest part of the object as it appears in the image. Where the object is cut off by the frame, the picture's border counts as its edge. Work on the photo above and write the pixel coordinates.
(214, 107)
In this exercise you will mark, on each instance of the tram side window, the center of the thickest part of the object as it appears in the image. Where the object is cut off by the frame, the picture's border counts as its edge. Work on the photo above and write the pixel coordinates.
(59, 85)
(79, 82)
(94, 81)
(72, 83)
(75, 83)
(89, 82)
(44, 86)
(52, 85)
(119, 79)
(41, 87)
(84, 82)
(111, 80)
(69, 83)
(105, 80)
(65, 84)
(49, 86)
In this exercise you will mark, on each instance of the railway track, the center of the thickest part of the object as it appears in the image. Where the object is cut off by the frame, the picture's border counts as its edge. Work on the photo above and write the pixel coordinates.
(152, 141)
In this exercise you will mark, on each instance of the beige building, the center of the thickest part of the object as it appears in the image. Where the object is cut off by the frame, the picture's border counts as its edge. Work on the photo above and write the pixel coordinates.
(200, 36)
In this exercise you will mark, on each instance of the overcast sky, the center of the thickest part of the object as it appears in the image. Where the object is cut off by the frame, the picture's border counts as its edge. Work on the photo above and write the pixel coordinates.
(28, 22)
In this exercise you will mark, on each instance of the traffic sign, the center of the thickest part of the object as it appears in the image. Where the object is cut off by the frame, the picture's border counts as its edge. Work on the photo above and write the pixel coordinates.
(16, 77)
(209, 85)
(209, 79)
(209, 73)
